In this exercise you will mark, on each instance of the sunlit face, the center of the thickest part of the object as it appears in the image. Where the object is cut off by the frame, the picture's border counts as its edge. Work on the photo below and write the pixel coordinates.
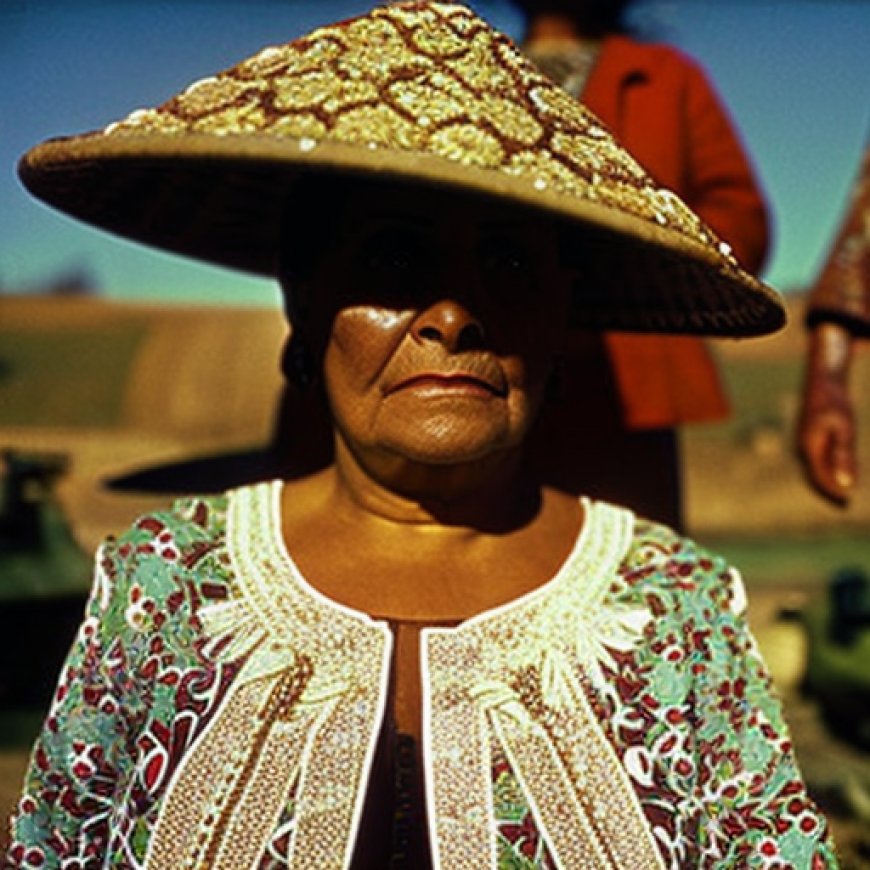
(437, 320)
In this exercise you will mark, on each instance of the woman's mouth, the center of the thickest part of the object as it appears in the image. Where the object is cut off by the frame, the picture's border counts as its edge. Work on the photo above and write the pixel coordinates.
(452, 383)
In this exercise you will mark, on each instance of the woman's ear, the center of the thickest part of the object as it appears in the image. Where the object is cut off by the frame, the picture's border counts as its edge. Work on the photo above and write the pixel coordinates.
(554, 390)
(297, 363)
(296, 296)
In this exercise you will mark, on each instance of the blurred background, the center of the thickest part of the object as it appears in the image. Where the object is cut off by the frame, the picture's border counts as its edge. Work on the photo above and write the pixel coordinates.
(114, 358)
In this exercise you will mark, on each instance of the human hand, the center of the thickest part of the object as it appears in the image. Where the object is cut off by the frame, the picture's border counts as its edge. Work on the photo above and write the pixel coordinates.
(826, 426)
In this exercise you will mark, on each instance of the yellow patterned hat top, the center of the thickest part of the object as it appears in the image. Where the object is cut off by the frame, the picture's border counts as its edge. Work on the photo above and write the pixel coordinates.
(424, 92)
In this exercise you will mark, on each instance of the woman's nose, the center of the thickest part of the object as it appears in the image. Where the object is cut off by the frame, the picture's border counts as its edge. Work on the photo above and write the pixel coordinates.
(451, 324)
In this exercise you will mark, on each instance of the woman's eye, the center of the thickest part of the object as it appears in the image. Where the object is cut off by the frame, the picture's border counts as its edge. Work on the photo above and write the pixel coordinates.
(505, 256)
(391, 266)
(391, 253)
(395, 259)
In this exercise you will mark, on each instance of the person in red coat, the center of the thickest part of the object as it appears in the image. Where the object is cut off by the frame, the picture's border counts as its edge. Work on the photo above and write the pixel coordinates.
(663, 108)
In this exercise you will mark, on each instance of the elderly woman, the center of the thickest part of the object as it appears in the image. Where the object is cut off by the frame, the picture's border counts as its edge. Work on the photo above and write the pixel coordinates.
(419, 655)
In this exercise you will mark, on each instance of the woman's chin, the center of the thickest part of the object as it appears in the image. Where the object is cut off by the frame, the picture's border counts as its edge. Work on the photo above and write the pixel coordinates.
(448, 447)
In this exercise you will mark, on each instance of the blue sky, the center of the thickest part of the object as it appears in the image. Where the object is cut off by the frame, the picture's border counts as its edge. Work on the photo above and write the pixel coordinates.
(794, 73)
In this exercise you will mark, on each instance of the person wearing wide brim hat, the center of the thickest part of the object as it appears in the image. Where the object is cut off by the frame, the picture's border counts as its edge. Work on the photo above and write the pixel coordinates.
(420, 655)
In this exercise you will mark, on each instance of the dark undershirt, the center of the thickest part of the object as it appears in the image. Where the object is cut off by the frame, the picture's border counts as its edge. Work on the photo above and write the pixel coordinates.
(393, 832)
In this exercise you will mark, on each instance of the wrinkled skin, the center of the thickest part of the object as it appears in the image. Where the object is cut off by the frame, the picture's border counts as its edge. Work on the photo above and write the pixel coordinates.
(437, 330)
(435, 322)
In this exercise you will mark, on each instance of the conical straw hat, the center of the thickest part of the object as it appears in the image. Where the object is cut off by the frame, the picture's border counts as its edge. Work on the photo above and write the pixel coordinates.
(424, 92)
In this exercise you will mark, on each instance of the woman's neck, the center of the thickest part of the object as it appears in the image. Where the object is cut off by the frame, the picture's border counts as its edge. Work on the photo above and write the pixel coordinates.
(491, 495)
(393, 556)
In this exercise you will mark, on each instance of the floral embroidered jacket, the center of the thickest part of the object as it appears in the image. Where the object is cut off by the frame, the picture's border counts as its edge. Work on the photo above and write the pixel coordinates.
(216, 711)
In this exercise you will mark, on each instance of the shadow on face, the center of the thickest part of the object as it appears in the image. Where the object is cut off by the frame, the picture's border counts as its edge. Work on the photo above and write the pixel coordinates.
(401, 246)
(475, 273)
(433, 320)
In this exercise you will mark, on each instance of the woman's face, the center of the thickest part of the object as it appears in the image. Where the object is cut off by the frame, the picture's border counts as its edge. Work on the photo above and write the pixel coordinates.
(437, 321)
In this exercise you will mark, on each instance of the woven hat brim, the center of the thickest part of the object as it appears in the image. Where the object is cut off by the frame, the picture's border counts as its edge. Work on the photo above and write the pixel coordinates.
(221, 199)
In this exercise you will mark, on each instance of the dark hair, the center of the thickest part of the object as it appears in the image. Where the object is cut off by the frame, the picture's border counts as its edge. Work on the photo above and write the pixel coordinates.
(308, 223)
(591, 17)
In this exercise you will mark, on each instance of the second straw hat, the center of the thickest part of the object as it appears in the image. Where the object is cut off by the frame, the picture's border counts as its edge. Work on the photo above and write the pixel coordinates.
(424, 92)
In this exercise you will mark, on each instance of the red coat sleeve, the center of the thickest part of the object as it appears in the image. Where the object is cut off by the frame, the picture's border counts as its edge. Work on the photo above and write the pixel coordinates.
(664, 110)
(720, 183)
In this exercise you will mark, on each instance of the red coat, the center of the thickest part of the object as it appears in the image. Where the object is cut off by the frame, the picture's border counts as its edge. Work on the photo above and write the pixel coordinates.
(663, 109)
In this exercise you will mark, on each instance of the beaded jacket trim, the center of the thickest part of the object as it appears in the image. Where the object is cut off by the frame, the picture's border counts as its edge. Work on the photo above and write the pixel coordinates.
(303, 716)
(293, 741)
(519, 679)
